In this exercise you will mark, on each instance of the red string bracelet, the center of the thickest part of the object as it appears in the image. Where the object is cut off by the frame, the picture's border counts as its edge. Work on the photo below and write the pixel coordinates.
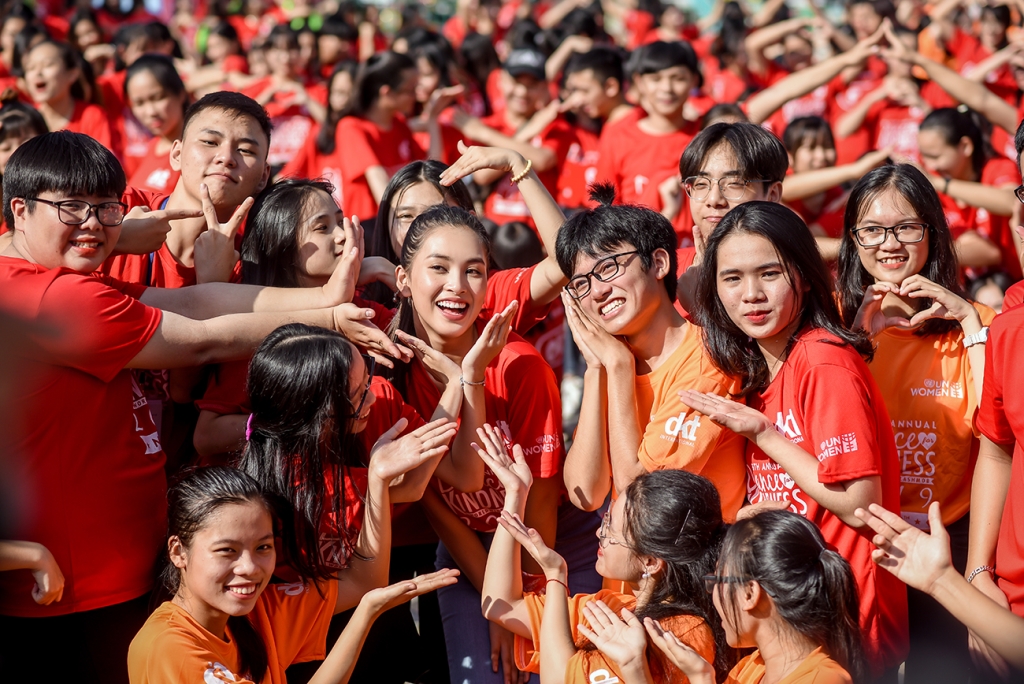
(552, 579)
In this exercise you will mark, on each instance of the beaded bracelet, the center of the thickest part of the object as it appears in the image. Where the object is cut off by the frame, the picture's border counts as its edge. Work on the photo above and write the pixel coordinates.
(978, 570)
(516, 179)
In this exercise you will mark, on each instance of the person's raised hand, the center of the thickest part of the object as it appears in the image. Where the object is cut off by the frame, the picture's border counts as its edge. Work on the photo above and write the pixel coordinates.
(739, 418)
(381, 599)
(512, 471)
(945, 305)
(354, 322)
(441, 368)
(502, 650)
(440, 99)
(870, 316)
(750, 510)
(671, 192)
(547, 558)
(602, 348)
(489, 344)
(697, 670)
(215, 253)
(917, 558)
(144, 230)
(623, 639)
(341, 287)
(476, 158)
(377, 269)
(393, 456)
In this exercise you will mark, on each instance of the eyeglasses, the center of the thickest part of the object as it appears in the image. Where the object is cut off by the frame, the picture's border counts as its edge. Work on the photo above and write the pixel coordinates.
(1019, 190)
(604, 270)
(905, 233)
(604, 535)
(732, 188)
(371, 365)
(711, 580)
(76, 212)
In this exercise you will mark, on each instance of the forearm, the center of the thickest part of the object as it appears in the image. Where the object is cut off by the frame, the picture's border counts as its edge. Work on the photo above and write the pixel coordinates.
(541, 514)
(828, 247)
(1000, 201)
(502, 590)
(974, 250)
(810, 183)
(461, 542)
(623, 427)
(209, 300)
(764, 104)
(217, 433)
(587, 471)
(686, 288)
(447, 466)
(988, 498)
(556, 644)
(465, 470)
(840, 500)
(341, 660)
(974, 95)
(20, 555)
(373, 545)
(436, 150)
(377, 179)
(854, 119)
(542, 157)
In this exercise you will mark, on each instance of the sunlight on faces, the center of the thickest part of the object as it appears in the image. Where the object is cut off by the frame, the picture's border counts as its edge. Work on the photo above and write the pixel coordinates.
(429, 79)
(721, 162)
(227, 152)
(665, 92)
(758, 293)
(43, 239)
(46, 76)
(597, 98)
(624, 304)
(864, 20)
(615, 560)
(892, 261)
(320, 240)
(229, 563)
(447, 281)
(407, 205)
(160, 111)
(939, 157)
(359, 378)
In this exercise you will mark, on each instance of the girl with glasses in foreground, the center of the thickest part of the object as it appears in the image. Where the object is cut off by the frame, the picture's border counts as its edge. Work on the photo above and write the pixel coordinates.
(661, 536)
(899, 282)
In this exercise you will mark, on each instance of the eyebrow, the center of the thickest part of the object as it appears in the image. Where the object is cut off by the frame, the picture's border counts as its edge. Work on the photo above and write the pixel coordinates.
(727, 174)
(237, 542)
(220, 134)
(762, 267)
(443, 257)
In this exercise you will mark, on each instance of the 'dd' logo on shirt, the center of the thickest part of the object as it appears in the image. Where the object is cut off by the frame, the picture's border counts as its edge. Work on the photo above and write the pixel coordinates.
(680, 429)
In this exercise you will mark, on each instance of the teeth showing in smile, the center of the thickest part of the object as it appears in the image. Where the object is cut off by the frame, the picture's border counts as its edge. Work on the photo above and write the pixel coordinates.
(453, 306)
(613, 305)
(85, 245)
(892, 260)
(243, 590)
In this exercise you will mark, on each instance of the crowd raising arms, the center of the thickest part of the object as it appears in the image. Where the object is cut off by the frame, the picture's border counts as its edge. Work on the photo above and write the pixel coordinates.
(785, 260)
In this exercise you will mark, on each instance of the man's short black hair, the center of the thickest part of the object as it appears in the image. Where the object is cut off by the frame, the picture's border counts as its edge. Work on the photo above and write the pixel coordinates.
(233, 103)
(64, 163)
(609, 228)
(605, 62)
(760, 154)
(661, 55)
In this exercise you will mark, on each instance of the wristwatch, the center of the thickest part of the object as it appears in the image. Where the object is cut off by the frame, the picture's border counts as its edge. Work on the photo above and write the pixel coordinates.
(980, 337)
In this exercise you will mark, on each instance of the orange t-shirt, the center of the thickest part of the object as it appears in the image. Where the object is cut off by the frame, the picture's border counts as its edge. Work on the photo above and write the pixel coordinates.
(678, 437)
(172, 647)
(591, 665)
(817, 668)
(929, 390)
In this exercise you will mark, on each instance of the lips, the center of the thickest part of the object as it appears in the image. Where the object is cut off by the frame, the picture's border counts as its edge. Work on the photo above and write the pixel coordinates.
(893, 263)
(453, 309)
(611, 306)
(757, 317)
(242, 591)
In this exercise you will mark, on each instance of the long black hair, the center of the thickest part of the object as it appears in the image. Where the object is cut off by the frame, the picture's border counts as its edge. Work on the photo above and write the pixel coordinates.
(270, 249)
(326, 138)
(190, 502)
(427, 171)
(676, 516)
(161, 67)
(299, 436)
(811, 585)
(954, 125)
(382, 69)
(730, 349)
(941, 266)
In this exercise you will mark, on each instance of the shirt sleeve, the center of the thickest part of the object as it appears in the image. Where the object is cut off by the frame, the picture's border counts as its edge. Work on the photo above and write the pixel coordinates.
(991, 419)
(359, 153)
(513, 284)
(94, 325)
(299, 617)
(841, 422)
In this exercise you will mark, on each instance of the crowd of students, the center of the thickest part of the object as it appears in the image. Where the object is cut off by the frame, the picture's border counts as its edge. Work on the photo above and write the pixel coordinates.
(336, 340)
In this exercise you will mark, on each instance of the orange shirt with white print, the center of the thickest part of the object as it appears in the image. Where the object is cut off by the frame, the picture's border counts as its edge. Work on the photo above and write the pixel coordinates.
(817, 668)
(589, 665)
(928, 388)
(675, 436)
(292, 619)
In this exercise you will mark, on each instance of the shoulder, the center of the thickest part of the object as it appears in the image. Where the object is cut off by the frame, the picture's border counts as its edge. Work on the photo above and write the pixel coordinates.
(167, 643)
(999, 170)
(1009, 322)
(355, 124)
(819, 347)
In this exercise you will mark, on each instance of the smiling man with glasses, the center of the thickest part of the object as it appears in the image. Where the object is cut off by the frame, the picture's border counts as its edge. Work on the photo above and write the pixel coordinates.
(621, 265)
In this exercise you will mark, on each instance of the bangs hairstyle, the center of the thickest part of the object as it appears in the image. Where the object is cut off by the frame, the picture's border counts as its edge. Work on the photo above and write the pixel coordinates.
(427, 171)
(676, 516)
(661, 55)
(940, 267)
(608, 228)
(234, 104)
(64, 163)
(298, 388)
(382, 69)
(808, 131)
(604, 62)
(759, 154)
(17, 119)
(730, 349)
(270, 246)
(812, 586)
(191, 502)
(162, 69)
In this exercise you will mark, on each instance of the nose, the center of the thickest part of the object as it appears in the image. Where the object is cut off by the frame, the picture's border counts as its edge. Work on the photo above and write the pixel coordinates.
(752, 291)
(225, 154)
(599, 290)
(715, 197)
(890, 241)
(245, 566)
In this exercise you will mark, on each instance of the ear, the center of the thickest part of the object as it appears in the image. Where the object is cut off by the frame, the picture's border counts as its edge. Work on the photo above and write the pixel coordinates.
(966, 146)
(264, 179)
(774, 193)
(176, 551)
(653, 566)
(175, 156)
(19, 208)
(660, 263)
(751, 595)
(612, 88)
(402, 281)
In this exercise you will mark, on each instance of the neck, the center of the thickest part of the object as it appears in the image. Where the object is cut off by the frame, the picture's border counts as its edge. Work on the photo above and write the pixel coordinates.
(657, 124)
(381, 116)
(60, 107)
(618, 110)
(515, 121)
(773, 348)
(455, 349)
(659, 336)
(213, 621)
(782, 649)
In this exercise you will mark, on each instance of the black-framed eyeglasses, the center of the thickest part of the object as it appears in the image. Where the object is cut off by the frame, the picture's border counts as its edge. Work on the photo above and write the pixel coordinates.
(76, 212)
(604, 534)
(1019, 192)
(371, 365)
(905, 233)
(732, 188)
(604, 270)
(711, 580)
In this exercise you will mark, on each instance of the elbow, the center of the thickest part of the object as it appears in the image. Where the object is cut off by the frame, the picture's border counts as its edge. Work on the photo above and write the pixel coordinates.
(543, 159)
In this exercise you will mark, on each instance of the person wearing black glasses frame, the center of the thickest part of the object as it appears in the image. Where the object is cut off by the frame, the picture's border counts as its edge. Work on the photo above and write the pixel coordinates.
(619, 301)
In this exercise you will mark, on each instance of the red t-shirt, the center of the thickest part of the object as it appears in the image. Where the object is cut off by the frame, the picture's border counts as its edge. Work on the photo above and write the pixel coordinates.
(892, 124)
(829, 217)
(153, 172)
(636, 163)
(842, 97)
(91, 120)
(310, 162)
(83, 446)
(969, 52)
(825, 400)
(450, 137)
(579, 169)
(364, 145)
(1014, 296)
(522, 401)
(997, 171)
(1001, 419)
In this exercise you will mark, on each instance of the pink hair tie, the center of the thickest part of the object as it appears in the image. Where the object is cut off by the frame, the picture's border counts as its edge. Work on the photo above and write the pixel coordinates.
(248, 428)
